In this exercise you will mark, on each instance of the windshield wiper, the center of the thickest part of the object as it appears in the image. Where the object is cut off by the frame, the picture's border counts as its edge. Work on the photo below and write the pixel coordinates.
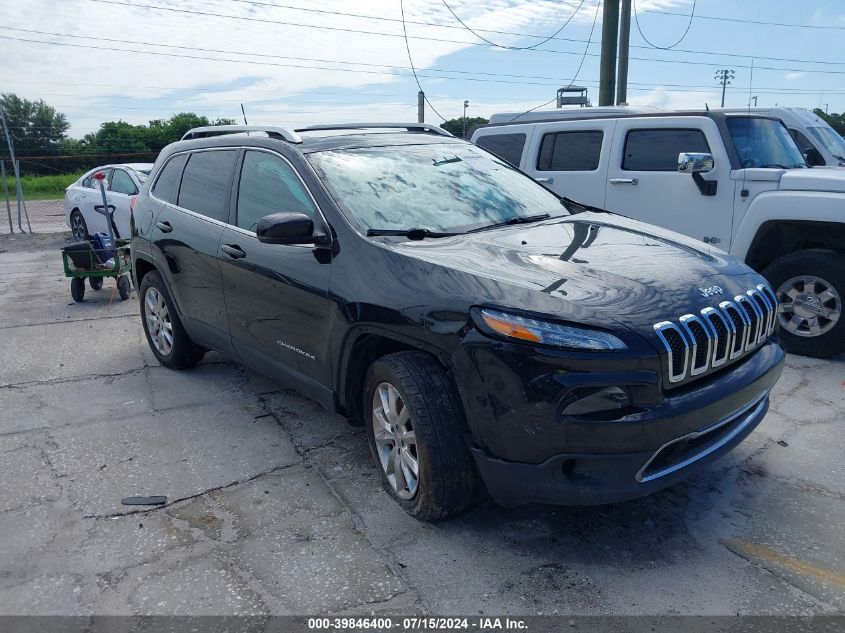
(569, 203)
(519, 219)
(411, 234)
(777, 165)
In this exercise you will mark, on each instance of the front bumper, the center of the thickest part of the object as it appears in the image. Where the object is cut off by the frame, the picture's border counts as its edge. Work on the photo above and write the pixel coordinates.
(549, 458)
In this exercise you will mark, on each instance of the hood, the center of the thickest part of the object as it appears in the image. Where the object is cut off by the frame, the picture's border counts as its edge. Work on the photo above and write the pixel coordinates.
(815, 179)
(622, 270)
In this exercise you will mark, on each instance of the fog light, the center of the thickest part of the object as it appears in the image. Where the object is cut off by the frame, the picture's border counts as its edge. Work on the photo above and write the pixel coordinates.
(586, 401)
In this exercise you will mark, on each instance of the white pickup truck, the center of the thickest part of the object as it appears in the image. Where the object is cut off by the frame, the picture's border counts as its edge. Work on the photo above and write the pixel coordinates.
(734, 180)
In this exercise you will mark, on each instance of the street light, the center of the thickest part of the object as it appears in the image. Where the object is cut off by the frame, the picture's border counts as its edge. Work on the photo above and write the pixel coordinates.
(464, 120)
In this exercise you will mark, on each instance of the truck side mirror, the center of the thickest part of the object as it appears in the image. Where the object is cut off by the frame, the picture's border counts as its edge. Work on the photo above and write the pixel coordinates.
(697, 163)
(694, 162)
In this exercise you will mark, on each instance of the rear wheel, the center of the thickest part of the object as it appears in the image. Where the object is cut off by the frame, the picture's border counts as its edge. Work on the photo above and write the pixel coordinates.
(415, 428)
(164, 331)
(123, 286)
(78, 226)
(810, 286)
(77, 289)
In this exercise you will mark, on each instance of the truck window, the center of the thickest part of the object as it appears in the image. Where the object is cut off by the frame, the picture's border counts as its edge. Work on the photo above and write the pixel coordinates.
(508, 147)
(570, 151)
(801, 141)
(657, 150)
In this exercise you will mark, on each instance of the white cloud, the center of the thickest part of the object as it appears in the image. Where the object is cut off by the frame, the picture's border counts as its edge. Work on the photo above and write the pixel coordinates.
(794, 75)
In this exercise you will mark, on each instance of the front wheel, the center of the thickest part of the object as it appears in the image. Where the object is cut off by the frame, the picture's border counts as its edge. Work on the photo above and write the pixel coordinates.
(164, 331)
(810, 287)
(415, 425)
(77, 289)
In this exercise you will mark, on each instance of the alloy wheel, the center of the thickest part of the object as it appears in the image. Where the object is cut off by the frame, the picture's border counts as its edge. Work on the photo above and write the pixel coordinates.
(396, 443)
(157, 318)
(809, 306)
(77, 227)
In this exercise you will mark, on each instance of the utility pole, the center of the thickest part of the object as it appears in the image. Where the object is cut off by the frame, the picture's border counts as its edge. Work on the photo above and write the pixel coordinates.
(420, 107)
(624, 45)
(609, 34)
(755, 100)
(464, 120)
(724, 77)
(15, 166)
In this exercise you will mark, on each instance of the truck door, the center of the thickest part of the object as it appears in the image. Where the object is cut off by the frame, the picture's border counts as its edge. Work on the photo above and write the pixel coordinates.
(571, 158)
(643, 181)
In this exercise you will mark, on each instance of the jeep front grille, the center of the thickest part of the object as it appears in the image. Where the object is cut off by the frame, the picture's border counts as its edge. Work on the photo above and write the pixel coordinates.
(700, 342)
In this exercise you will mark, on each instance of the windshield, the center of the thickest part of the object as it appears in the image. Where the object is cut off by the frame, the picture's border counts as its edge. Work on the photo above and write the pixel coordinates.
(763, 143)
(441, 187)
(828, 137)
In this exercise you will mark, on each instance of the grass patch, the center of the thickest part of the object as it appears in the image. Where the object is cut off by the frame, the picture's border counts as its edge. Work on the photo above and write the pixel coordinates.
(41, 187)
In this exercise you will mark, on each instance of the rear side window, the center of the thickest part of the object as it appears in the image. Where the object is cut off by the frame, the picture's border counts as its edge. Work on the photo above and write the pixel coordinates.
(205, 183)
(121, 182)
(269, 185)
(657, 150)
(508, 147)
(167, 185)
(570, 151)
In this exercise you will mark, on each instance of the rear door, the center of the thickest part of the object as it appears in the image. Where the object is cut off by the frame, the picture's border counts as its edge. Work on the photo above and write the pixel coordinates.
(194, 207)
(277, 294)
(643, 181)
(571, 158)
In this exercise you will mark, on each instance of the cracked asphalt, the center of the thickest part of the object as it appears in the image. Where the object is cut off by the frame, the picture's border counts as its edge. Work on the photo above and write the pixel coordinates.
(274, 505)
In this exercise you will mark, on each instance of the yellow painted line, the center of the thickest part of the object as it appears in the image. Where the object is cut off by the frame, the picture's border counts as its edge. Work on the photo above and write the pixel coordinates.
(787, 562)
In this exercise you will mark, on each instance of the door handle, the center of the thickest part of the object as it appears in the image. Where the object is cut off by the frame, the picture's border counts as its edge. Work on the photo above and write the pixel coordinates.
(233, 250)
(164, 227)
(624, 181)
(545, 179)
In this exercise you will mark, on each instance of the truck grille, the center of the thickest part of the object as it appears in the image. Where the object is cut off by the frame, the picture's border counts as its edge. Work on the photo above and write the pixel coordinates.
(697, 343)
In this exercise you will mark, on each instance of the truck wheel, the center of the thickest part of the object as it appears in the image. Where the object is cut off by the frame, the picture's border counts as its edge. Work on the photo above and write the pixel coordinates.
(164, 331)
(414, 424)
(810, 286)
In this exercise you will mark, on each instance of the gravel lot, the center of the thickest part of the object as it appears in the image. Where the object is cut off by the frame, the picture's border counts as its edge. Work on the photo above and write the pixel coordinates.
(274, 505)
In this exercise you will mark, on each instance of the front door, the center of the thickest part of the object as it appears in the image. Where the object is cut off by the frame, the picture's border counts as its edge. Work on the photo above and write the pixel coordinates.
(121, 189)
(643, 181)
(277, 295)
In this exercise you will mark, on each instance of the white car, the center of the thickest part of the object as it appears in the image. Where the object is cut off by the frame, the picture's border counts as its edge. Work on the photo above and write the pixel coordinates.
(122, 183)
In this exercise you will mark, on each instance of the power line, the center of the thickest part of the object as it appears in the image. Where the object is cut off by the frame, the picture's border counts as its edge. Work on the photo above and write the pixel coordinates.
(411, 61)
(671, 46)
(513, 48)
(575, 76)
(743, 21)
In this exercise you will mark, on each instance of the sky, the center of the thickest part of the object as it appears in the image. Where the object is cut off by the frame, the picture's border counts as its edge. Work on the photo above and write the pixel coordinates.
(295, 63)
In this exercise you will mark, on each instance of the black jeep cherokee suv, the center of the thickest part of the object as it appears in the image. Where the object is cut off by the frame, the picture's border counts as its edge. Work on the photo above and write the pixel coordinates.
(473, 321)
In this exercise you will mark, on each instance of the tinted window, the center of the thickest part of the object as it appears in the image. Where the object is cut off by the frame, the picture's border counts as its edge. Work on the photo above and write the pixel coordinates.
(167, 185)
(205, 183)
(657, 150)
(570, 151)
(122, 183)
(763, 142)
(506, 146)
(269, 185)
(802, 141)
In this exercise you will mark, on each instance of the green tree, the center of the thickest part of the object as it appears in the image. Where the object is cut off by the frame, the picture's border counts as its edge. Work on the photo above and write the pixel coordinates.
(836, 121)
(36, 128)
(456, 126)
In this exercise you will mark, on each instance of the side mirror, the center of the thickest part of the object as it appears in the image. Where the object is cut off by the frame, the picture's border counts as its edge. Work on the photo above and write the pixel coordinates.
(694, 162)
(813, 157)
(287, 228)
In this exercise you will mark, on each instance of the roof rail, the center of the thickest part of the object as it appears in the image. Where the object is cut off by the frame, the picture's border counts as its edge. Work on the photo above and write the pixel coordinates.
(271, 131)
(425, 127)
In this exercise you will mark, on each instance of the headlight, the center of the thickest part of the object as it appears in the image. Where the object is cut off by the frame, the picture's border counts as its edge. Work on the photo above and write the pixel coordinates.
(549, 333)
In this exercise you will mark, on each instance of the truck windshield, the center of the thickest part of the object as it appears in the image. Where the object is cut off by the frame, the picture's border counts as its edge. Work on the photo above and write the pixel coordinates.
(763, 143)
(452, 187)
(828, 137)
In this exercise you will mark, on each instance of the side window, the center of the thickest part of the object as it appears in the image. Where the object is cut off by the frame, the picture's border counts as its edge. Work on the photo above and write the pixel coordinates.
(121, 182)
(87, 182)
(508, 147)
(205, 183)
(167, 184)
(657, 150)
(269, 185)
(570, 151)
(801, 141)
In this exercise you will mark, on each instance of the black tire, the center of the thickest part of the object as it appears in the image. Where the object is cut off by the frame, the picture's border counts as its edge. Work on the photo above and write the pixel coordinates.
(78, 226)
(446, 474)
(184, 352)
(95, 282)
(829, 268)
(123, 287)
(77, 289)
